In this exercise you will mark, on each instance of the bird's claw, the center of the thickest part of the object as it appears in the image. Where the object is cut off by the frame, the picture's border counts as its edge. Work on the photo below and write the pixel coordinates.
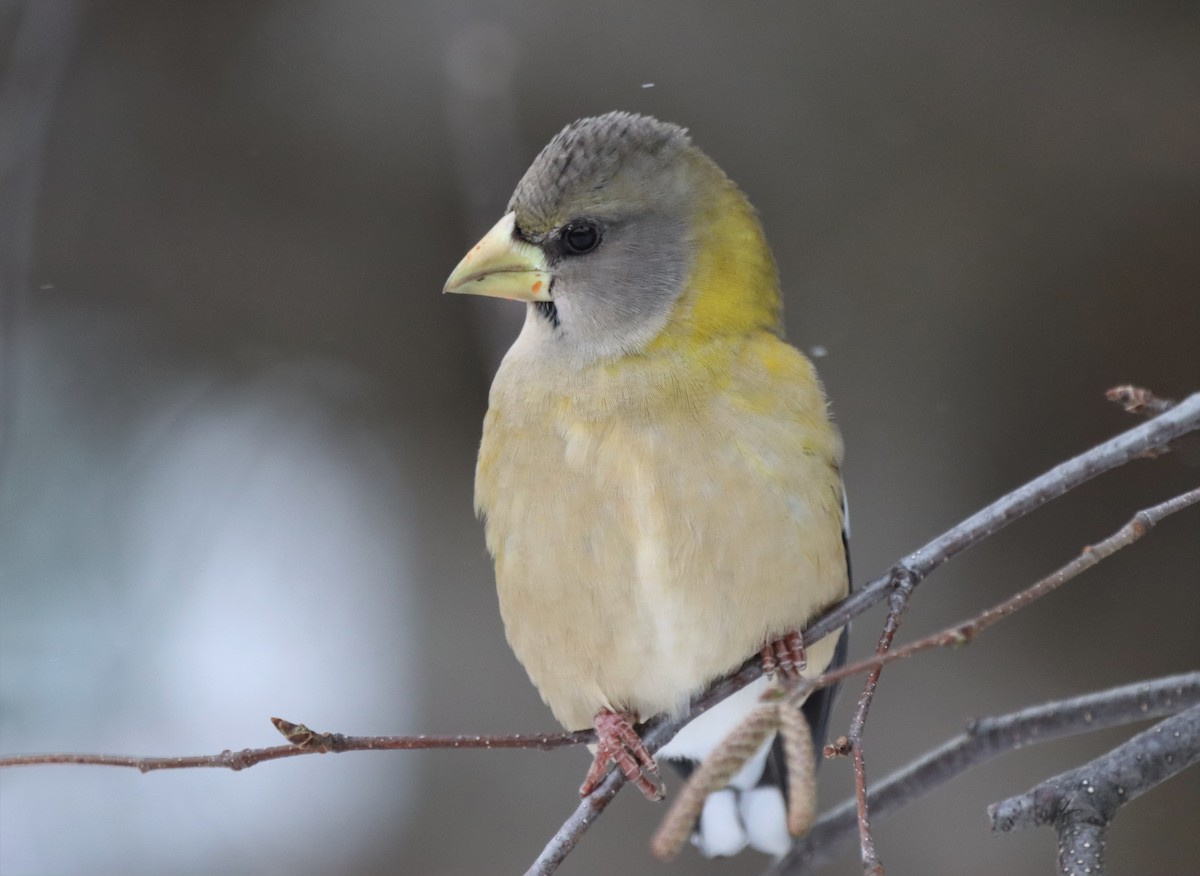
(785, 657)
(618, 743)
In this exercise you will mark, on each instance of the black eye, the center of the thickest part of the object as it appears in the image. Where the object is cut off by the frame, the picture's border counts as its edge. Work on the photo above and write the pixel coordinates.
(580, 236)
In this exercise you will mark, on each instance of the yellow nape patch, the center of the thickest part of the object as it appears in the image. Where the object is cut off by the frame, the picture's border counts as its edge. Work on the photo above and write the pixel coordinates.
(733, 288)
(783, 360)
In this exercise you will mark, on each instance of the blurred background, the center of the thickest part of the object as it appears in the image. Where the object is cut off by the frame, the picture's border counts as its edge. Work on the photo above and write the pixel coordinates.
(239, 419)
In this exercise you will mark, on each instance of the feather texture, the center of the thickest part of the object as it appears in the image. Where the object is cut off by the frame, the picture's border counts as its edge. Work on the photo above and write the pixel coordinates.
(654, 524)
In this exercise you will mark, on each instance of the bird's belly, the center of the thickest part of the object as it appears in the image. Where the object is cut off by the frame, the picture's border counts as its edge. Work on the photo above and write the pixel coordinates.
(633, 567)
(604, 618)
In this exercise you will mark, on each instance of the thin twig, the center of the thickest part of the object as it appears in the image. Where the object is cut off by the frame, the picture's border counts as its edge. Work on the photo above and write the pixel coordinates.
(902, 590)
(984, 739)
(322, 743)
(898, 599)
(1081, 803)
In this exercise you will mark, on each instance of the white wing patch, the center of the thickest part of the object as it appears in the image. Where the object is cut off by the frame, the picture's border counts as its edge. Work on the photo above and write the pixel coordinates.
(845, 515)
(699, 737)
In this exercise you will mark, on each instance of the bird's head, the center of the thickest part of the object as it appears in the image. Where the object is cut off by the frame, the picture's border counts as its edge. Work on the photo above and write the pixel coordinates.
(623, 236)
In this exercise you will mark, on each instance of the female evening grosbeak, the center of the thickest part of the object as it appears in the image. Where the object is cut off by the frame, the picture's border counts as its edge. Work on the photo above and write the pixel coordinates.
(658, 474)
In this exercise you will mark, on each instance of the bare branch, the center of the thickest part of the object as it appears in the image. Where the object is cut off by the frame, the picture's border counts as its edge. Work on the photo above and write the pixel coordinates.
(903, 586)
(1141, 523)
(983, 740)
(902, 589)
(304, 741)
(1081, 803)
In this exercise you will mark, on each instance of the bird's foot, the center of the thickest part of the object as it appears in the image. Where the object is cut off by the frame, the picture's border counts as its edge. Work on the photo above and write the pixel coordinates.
(618, 742)
(785, 656)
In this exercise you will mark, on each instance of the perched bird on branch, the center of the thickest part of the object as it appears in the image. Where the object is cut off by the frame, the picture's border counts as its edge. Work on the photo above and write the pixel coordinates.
(659, 476)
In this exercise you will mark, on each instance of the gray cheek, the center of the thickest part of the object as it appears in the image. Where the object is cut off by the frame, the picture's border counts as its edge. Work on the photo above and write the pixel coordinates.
(621, 297)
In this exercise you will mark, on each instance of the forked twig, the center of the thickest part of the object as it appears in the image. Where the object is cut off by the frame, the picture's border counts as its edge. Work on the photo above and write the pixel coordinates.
(1081, 803)
(984, 739)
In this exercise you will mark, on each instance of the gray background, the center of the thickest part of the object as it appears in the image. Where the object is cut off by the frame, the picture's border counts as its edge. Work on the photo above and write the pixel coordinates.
(239, 420)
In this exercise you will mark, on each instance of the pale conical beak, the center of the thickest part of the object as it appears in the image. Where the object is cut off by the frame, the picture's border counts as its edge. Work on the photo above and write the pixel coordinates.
(502, 266)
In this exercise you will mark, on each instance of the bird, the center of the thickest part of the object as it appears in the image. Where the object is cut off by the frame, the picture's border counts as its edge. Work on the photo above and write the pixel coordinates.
(659, 475)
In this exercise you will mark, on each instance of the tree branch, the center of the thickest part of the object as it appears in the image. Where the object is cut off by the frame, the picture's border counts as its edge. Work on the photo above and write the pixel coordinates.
(902, 590)
(984, 739)
(1081, 803)
(303, 741)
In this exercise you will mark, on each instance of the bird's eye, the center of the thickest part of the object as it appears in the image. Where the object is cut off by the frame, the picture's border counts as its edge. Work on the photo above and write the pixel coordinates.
(580, 236)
